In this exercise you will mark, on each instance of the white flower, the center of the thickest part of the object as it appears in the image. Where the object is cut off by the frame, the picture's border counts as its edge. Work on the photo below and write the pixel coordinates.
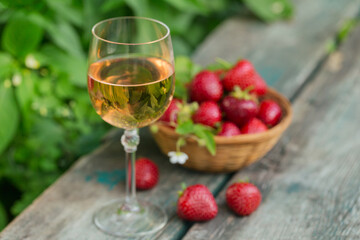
(16, 79)
(178, 157)
(31, 62)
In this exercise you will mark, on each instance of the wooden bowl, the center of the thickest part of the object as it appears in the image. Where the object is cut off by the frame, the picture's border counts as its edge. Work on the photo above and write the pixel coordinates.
(232, 153)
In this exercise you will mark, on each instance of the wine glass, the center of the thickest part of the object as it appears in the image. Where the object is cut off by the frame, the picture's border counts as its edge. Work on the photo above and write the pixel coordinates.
(130, 83)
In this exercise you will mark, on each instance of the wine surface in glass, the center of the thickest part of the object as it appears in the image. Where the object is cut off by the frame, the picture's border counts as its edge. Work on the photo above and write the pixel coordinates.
(131, 92)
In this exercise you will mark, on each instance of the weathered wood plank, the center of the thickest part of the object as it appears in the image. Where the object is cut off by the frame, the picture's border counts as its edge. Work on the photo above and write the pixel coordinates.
(311, 181)
(285, 53)
(64, 211)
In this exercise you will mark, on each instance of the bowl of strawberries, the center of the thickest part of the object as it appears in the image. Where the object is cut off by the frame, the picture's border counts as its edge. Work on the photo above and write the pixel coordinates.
(228, 119)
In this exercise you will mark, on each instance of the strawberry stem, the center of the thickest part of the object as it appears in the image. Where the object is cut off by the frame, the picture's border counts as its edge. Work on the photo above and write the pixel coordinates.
(179, 143)
(243, 94)
(183, 187)
(244, 180)
(186, 111)
(225, 64)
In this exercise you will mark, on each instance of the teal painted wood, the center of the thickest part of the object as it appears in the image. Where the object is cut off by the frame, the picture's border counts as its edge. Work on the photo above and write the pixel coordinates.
(310, 181)
(285, 53)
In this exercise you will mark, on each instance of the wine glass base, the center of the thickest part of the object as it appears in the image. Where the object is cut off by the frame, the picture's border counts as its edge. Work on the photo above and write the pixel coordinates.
(148, 220)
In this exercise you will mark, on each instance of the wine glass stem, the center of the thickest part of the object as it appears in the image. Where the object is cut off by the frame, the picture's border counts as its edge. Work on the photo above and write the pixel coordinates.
(130, 140)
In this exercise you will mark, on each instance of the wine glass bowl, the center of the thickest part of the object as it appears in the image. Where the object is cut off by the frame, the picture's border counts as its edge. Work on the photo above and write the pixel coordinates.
(130, 84)
(137, 97)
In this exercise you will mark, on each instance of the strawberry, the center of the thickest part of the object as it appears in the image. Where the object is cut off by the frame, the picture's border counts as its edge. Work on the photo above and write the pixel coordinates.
(220, 73)
(196, 203)
(147, 174)
(208, 114)
(243, 74)
(239, 111)
(170, 114)
(229, 129)
(206, 86)
(269, 112)
(243, 198)
(254, 126)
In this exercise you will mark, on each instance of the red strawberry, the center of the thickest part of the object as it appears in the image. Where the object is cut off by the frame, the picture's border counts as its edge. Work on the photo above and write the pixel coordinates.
(196, 203)
(220, 73)
(243, 74)
(147, 173)
(208, 114)
(243, 198)
(206, 86)
(170, 114)
(260, 85)
(239, 111)
(269, 112)
(229, 129)
(254, 126)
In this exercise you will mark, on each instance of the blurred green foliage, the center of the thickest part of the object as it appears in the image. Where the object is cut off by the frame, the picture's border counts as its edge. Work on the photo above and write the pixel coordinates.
(46, 119)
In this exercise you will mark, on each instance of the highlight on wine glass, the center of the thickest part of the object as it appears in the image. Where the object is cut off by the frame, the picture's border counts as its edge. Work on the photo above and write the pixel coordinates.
(130, 83)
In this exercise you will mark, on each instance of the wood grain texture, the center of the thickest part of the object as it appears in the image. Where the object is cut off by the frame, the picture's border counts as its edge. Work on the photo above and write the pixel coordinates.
(310, 181)
(64, 211)
(285, 53)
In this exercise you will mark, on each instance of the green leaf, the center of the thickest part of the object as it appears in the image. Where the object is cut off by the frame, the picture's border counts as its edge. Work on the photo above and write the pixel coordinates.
(91, 15)
(185, 70)
(64, 36)
(28, 5)
(7, 64)
(25, 94)
(270, 10)
(74, 66)
(3, 217)
(346, 28)
(220, 64)
(207, 136)
(21, 36)
(10, 116)
(35, 187)
(64, 89)
(5, 14)
(111, 5)
(330, 46)
(181, 47)
(184, 128)
(195, 33)
(66, 11)
(192, 6)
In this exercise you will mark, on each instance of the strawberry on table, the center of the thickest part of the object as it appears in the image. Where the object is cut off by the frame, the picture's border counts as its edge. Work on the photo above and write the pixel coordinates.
(243, 198)
(243, 74)
(206, 86)
(147, 174)
(208, 114)
(196, 203)
(254, 126)
(270, 112)
(170, 114)
(239, 111)
(229, 129)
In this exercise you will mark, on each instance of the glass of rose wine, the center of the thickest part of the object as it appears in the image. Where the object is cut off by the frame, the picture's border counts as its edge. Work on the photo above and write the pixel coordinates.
(130, 83)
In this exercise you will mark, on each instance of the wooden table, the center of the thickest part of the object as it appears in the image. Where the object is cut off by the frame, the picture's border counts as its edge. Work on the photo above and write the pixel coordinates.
(310, 181)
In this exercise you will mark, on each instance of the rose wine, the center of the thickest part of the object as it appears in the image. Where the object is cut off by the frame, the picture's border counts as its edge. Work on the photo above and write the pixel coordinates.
(131, 92)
